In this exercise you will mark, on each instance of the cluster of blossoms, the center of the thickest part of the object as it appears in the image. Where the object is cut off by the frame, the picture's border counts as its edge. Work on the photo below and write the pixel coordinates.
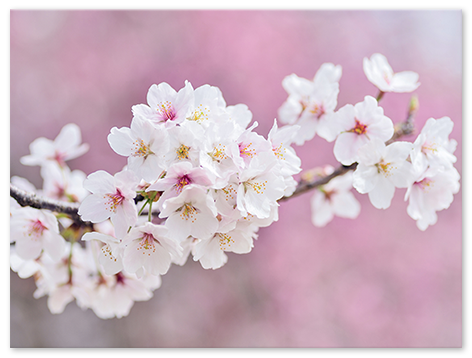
(200, 182)
(362, 133)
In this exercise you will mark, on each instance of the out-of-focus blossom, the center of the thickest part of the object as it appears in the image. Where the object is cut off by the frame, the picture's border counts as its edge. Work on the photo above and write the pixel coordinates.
(433, 147)
(432, 191)
(311, 104)
(334, 199)
(66, 146)
(35, 230)
(379, 72)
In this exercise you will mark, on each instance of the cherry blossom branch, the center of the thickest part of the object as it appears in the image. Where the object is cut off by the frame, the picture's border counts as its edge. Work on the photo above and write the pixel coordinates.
(402, 129)
(25, 198)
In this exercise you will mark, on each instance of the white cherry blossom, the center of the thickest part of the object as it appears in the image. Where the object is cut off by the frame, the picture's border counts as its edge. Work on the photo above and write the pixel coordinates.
(432, 191)
(357, 125)
(165, 105)
(35, 230)
(211, 252)
(259, 185)
(381, 169)
(433, 146)
(334, 199)
(144, 145)
(66, 146)
(311, 104)
(380, 73)
(177, 177)
(192, 213)
(149, 247)
(112, 197)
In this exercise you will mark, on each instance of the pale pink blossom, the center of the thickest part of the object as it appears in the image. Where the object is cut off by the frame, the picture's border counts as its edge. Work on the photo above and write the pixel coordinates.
(144, 145)
(380, 73)
(433, 147)
(35, 230)
(381, 169)
(432, 191)
(334, 199)
(66, 146)
(149, 247)
(165, 105)
(112, 197)
(357, 125)
(192, 213)
(311, 104)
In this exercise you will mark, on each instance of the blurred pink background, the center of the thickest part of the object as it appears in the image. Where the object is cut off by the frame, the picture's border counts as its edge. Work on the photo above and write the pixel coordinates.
(376, 281)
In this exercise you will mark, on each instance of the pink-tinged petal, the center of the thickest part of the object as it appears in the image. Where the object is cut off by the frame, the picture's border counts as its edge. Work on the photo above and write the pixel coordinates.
(345, 205)
(133, 257)
(406, 81)
(403, 176)
(344, 118)
(59, 299)
(29, 247)
(290, 110)
(299, 86)
(210, 254)
(54, 245)
(204, 225)
(93, 208)
(69, 137)
(321, 211)
(160, 93)
(382, 128)
(179, 227)
(121, 141)
(382, 194)
(365, 178)
(346, 146)
(100, 182)
(41, 149)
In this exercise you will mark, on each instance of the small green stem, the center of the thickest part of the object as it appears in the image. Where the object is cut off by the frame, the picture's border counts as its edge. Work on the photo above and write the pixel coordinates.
(380, 95)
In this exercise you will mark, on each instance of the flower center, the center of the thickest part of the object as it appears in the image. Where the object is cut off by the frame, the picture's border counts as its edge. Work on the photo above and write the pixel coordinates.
(218, 153)
(182, 152)
(425, 184)
(114, 200)
(225, 241)
(258, 186)
(148, 243)
(141, 149)
(385, 168)
(166, 111)
(188, 212)
(246, 151)
(200, 114)
(36, 228)
(183, 181)
(279, 151)
(359, 128)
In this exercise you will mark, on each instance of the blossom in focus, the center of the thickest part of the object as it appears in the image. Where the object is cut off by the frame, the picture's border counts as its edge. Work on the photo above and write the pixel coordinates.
(432, 191)
(112, 197)
(177, 177)
(334, 199)
(290, 164)
(148, 247)
(433, 147)
(211, 252)
(165, 105)
(260, 184)
(357, 125)
(66, 146)
(144, 145)
(381, 169)
(191, 213)
(379, 72)
(311, 104)
(110, 255)
(35, 230)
